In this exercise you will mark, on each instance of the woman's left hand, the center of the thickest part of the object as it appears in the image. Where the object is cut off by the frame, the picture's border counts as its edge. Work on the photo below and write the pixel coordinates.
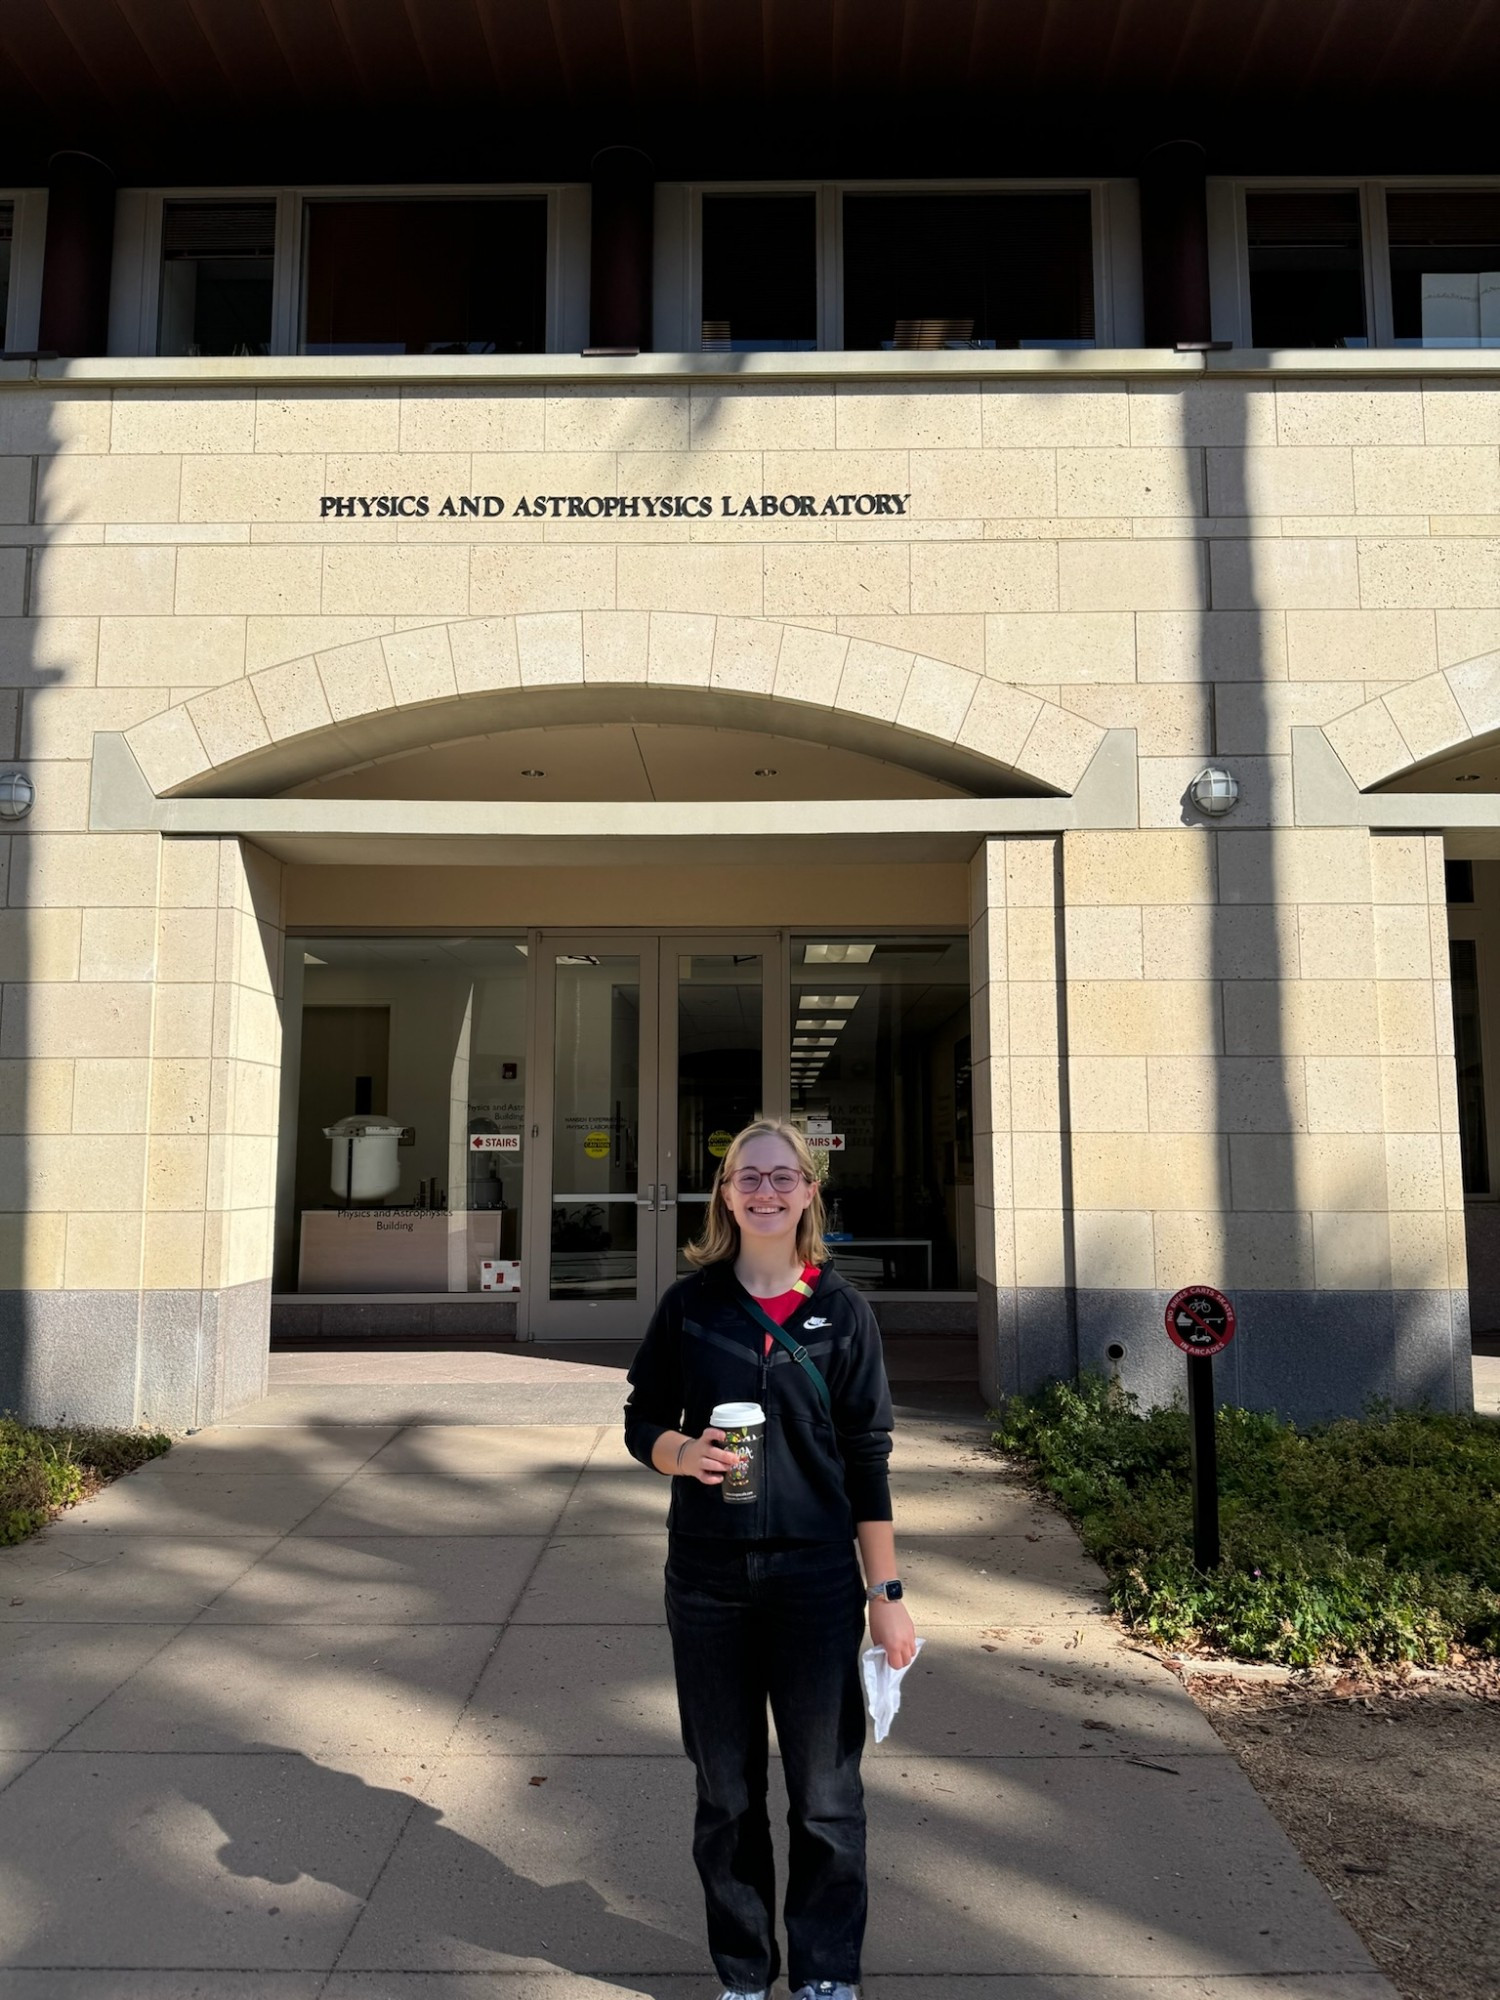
(891, 1627)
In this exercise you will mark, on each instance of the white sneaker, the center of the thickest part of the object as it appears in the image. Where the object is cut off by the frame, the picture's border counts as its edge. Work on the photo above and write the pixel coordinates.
(743, 1993)
(825, 1989)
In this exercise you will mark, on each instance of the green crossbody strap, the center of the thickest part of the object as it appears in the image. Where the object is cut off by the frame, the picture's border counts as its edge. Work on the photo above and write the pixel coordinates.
(757, 1312)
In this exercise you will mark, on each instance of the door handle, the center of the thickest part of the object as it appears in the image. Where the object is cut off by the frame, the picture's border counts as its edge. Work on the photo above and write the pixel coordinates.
(668, 1199)
(647, 1200)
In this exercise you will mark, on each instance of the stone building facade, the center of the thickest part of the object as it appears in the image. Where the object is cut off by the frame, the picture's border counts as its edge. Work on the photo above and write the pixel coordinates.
(1214, 1050)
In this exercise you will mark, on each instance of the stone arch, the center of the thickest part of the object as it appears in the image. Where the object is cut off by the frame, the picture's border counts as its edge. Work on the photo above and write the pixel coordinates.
(1419, 722)
(378, 696)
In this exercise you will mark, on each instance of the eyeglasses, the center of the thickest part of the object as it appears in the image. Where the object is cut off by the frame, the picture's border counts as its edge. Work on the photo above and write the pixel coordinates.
(747, 1180)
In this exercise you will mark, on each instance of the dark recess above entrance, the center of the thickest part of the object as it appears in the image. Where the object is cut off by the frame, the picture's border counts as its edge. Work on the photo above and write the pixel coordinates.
(203, 91)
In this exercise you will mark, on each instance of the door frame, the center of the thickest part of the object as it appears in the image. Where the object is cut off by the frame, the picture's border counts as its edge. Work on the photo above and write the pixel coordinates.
(774, 1065)
(538, 1317)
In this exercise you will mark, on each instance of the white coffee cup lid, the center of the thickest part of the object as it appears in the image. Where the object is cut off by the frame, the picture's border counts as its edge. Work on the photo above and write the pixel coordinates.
(735, 1416)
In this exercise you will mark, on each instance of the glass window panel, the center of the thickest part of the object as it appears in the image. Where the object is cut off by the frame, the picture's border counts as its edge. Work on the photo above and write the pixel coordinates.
(887, 1106)
(427, 1033)
(1445, 268)
(596, 1127)
(968, 270)
(760, 273)
(1307, 286)
(1463, 958)
(426, 277)
(720, 1061)
(217, 262)
(7, 231)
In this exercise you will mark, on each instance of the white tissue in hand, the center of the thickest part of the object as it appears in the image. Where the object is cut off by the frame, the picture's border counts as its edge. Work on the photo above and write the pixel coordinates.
(883, 1686)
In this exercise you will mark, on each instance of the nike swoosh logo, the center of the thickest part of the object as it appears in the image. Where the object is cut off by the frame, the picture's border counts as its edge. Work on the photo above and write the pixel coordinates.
(810, 1324)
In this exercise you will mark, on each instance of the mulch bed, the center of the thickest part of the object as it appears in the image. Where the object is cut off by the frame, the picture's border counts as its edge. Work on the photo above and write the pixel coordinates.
(1388, 1785)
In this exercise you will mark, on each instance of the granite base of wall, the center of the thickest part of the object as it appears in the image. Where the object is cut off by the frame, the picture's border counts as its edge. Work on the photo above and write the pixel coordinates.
(1309, 1355)
(462, 1316)
(174, 1360)
(1027, 1337)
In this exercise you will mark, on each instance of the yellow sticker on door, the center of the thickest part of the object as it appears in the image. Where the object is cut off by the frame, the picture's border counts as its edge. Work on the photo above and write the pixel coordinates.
(596, 1145)
(719, 1143)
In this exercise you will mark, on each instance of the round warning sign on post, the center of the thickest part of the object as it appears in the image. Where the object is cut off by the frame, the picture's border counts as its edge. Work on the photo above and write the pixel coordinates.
(596, 1145)
(719, 1143)
(1200, 1320)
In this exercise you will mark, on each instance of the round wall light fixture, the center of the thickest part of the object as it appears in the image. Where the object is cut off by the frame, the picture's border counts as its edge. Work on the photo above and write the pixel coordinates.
(1214, 792)
(17, 795)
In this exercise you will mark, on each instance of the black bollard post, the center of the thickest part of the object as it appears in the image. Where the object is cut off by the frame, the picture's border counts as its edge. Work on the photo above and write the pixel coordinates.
(1201, 1321)
(1205, 1462)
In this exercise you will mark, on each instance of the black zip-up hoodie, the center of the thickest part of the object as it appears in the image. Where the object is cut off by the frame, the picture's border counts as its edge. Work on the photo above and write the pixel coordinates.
(821, 1474)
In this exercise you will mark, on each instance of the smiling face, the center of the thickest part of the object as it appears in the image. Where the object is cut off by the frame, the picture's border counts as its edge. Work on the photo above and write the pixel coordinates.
(767, 1215)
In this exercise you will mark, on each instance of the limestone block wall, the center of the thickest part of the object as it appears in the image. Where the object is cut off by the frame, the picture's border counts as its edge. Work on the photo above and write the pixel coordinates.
(1222, 1058)
(1028, 1306)
(1247, 1068)
(1262, 1098)
(139, 1063)
(1207, 562)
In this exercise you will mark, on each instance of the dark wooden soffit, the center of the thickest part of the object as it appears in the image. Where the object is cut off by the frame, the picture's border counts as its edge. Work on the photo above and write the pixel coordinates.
(423, 89)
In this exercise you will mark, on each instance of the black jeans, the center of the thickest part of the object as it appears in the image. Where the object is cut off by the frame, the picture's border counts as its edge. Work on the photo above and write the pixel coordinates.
(752, 1622)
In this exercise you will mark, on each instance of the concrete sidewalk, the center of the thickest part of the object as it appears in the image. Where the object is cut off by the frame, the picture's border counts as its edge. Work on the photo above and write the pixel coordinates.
(1487, 1384)
(371, 1711)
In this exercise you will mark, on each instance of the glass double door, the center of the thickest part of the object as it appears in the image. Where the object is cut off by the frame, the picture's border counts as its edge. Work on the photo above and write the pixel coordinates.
(655, 1051)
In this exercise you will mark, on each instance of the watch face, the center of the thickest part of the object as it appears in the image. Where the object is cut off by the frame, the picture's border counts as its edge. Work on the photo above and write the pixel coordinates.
(892, 1592)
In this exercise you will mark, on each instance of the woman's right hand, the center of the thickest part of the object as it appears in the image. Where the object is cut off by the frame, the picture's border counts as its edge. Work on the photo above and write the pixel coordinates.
(703, 1459)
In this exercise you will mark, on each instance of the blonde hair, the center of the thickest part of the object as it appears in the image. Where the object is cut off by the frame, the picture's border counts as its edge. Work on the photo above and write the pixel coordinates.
(719, 1242)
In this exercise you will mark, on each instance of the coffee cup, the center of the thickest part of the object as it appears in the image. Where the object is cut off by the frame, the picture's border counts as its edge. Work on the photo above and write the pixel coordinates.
(744, 1428)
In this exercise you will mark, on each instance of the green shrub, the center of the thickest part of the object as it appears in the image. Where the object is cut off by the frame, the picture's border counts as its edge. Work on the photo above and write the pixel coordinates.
(1371, 1539)
(44, 1469)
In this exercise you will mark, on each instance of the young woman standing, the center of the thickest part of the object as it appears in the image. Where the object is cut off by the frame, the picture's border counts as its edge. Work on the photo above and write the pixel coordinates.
(764, 1598)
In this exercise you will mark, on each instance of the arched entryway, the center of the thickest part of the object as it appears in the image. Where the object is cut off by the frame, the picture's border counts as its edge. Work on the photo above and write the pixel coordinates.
(743, 815)
(1427, 754)
(306, 719)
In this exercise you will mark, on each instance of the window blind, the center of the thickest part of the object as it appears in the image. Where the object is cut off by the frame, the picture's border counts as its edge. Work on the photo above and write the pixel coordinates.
(1294, 221)
(1454, 219)
(218, 229)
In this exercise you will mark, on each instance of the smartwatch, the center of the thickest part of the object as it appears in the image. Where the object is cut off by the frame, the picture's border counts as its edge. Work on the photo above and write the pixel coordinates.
(891, 1591)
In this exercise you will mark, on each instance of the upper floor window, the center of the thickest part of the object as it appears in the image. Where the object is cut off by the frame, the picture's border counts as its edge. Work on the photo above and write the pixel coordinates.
(760, 273)
(968, 270)
(1307, 280)
(7, 231)
(1445, 267)
(217, 265)
(426, 277)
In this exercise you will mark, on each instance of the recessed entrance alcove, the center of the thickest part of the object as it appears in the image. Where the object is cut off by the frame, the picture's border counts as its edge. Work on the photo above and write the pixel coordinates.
(603, 761)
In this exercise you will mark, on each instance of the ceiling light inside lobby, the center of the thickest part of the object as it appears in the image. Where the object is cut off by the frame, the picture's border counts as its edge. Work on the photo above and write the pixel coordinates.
(837, 954)
(836, 1002)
